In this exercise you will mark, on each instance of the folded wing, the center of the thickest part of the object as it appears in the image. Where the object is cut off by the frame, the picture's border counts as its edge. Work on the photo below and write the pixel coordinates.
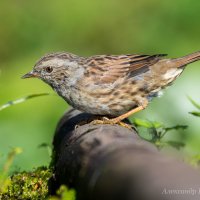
(108, 68)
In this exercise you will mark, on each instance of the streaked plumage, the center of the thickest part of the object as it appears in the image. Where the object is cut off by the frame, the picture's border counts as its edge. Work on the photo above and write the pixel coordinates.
(109, 84)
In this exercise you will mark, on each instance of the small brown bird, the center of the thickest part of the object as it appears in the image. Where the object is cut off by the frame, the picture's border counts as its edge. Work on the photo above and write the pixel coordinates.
(109, 85)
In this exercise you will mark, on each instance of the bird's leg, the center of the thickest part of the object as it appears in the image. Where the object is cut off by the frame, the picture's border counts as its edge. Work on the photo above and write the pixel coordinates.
(124, 116)
(118, 120)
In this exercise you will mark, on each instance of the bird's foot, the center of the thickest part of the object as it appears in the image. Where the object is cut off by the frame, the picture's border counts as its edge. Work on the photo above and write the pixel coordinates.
(106, 120)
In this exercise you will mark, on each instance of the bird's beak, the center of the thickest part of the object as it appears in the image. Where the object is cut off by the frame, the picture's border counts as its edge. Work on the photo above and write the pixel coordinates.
(30, 74)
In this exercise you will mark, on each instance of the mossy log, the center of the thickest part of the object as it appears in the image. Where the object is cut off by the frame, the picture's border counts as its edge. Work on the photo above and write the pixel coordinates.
(112, 162)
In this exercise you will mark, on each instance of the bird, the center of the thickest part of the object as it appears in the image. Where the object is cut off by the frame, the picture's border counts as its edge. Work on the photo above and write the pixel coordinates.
(113, 86)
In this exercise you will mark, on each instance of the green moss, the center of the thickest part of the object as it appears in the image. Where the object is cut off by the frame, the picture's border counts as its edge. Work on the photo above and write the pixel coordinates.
(28, 185)
(34, 185)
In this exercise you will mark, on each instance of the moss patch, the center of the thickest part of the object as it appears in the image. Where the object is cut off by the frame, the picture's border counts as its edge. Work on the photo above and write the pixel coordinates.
(28, 185)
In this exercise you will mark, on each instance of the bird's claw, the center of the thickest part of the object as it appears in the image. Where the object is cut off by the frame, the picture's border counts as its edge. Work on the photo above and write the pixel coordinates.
(106, 120)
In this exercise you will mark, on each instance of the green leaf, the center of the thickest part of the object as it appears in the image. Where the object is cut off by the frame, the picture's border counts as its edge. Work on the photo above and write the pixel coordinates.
(175, 144)
(44, 145)
(146, 123)
(194, 103)
(63, 193)
(183, 127)
(21, 100)
(197, 114)
(66, 193)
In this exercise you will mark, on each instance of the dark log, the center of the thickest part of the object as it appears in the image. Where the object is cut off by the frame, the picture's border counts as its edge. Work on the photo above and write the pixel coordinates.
(112, 162)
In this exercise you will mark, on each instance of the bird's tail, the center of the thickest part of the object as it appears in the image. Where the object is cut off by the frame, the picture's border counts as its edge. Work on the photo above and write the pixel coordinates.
(183, 61)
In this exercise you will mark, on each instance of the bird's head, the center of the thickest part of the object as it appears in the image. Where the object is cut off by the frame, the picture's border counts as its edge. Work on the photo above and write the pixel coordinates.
(56, 69)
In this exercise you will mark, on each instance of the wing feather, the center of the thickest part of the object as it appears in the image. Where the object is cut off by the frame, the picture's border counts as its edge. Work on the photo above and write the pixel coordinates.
(108, 68)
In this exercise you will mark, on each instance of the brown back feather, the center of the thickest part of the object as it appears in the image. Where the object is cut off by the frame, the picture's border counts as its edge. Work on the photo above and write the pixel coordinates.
(109, 68)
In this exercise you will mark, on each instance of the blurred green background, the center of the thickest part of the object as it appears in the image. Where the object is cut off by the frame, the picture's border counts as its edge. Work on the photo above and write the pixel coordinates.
(29, 29)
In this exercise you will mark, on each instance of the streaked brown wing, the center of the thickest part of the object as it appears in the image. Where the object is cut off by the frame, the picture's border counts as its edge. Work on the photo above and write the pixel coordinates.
(108, 68)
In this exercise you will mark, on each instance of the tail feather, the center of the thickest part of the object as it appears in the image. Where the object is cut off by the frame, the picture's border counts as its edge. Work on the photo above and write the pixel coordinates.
(181, 62)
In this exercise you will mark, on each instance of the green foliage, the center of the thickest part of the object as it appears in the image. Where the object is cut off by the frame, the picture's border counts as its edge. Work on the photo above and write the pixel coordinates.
(197, 114)
(4, 179)
(147, 123)
(64, 193)
(157, 132)
(21, 100)
(196, 105)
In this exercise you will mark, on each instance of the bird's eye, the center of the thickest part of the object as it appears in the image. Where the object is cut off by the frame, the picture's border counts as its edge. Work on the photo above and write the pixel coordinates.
(48, 69)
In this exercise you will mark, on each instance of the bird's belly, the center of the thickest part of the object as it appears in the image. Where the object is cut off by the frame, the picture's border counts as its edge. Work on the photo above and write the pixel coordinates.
(101, 105)
(97, 107)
